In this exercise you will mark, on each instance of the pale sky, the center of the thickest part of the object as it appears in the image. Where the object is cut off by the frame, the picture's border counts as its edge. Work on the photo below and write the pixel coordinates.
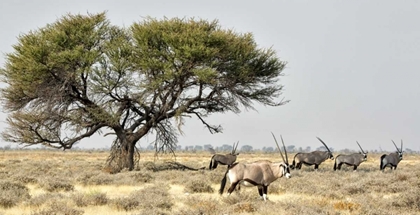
(351, 73)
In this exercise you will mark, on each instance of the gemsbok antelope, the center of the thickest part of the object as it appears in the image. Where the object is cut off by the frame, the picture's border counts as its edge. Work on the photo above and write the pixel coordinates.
(259, 173)
(351, 160)
(392, 159)
(312, 158)
(227, 159)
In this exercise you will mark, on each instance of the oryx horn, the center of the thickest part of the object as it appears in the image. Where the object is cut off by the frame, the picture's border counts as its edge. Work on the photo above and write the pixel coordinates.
(324, 144)
(278, 147)
(360, 148)
(234, 147)
(401, 145)
(398, 150)
(284, 147)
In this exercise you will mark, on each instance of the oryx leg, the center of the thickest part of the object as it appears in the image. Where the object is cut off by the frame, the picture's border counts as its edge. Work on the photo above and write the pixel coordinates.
(215, 163)
(262, 190)
(265, 188)
(232, 187)
(354, 167)
(339, 166)
(299, 165)
(316, 166)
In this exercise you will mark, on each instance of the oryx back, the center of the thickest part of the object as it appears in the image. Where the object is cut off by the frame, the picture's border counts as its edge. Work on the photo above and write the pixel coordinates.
(312, 158)
(257, 173)
(216, 159)
(351, 160)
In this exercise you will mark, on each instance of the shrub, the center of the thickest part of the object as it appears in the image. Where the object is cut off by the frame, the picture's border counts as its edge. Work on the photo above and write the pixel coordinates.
(142, 177)
(53, 185)
(58, 206)
(12, 193)
(152, 197)
(39, 200)
(93, 198)
(24, 178)
(198, 186)
(200, 205)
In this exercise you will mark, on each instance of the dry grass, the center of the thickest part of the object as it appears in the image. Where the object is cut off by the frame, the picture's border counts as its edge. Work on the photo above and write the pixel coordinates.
(55, 182)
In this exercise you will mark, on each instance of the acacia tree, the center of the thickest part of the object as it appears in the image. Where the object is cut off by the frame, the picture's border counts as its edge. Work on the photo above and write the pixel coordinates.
(79, 75)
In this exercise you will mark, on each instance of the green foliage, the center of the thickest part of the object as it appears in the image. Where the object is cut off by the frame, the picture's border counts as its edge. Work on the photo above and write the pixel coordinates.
(70, 79)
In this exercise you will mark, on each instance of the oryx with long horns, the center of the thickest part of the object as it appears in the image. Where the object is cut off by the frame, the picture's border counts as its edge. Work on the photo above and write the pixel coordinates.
(259, 173)
(227, 159)
(312, 158)
(392, 159)
(352, 159)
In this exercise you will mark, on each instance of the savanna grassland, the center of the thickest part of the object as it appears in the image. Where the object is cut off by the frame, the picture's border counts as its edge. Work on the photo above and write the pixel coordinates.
(75, 182)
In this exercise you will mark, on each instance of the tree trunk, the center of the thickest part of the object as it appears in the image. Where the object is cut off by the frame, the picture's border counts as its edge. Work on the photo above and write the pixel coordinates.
(130, 155)
(123, 154)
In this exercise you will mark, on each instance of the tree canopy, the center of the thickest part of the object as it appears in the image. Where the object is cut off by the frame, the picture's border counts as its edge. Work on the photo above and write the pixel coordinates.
(70, 79)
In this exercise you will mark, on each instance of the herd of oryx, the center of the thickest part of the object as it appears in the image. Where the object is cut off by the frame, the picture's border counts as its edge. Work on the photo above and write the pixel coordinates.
(263, 173)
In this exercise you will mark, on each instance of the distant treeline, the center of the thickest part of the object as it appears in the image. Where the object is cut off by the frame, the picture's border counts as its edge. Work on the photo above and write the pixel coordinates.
(218, 149)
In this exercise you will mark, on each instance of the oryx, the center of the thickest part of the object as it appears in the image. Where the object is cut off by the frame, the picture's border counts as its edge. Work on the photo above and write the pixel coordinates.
(352, 160)
(259, 173)
(392, 159)
(227, 159)
(312, 158)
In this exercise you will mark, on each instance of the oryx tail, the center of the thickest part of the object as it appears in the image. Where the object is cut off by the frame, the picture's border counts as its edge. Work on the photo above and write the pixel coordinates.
(382, 161)
(223, 182)
(294, 161)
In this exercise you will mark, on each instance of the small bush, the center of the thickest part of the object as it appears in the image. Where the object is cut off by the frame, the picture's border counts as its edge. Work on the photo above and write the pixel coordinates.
(198, 186)
(24, 179)
(153, 197)
(142, 177)
(7, 201)
(93, 198)
(12, 193)
(197, 205)
(245, 207)
(345, 205)
(126, 204)
(58, 206)
(65, 210)
(56, 186)
(101, 179)
(39, 200)
(408, 199)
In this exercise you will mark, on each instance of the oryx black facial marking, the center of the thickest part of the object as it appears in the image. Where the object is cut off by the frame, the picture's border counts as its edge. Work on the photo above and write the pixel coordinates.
(352, 160)
(391, 160)
(259, 173)
(227, 159)
(312, 158)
